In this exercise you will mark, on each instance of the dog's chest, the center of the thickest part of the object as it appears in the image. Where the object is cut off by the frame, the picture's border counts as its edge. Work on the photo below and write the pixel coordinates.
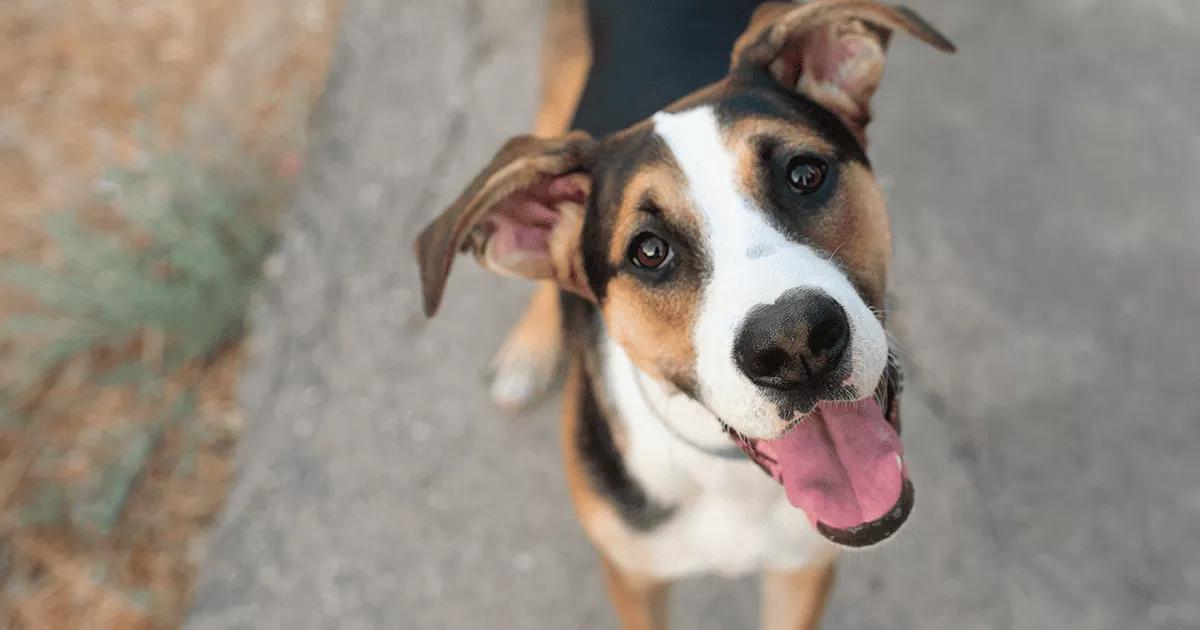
(729, 517)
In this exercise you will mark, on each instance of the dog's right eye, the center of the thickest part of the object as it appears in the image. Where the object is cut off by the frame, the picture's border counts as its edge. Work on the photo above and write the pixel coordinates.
(806, 173)
(649, 251)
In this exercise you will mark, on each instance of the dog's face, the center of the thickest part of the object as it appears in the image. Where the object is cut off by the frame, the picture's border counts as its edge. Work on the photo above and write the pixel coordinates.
(736, 245)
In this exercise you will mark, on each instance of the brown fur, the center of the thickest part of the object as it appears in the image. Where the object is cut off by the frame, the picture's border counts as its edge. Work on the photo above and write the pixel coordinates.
(655, 327)
(565, 60)
(857, 235)
(654, 323)
(795, 600)
(641, 602)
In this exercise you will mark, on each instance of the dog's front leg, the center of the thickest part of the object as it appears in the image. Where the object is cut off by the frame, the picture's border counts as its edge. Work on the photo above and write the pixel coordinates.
(566, 58)
(794, 600)
(641, 602)
(530, 358)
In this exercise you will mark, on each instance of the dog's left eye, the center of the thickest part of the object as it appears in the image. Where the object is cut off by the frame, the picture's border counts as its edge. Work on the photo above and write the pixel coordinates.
(806, 173)
(649, 251)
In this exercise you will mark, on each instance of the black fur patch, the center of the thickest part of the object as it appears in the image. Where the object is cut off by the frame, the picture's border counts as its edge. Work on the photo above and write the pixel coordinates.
(593, 439)
(757, 94)
(606, 469)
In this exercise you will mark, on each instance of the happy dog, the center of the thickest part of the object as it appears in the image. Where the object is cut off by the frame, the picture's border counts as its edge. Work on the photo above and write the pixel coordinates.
(722, 266)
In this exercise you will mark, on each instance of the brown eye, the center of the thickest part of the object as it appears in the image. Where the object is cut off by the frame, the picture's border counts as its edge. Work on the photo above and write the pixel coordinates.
(648, 251)
(805, 173)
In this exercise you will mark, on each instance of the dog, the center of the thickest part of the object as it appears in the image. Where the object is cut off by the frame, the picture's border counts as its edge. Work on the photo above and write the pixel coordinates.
(715, 275)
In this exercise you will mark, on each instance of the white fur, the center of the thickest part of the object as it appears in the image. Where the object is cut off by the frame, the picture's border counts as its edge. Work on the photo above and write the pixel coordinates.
(752, 263)
(730, 518)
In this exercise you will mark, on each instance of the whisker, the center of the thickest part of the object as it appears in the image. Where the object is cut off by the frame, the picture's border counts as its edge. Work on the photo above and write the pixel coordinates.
(839, 247)
(895, 345)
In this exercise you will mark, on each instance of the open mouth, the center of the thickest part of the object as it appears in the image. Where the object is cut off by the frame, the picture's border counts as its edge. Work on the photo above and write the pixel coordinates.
(843, 465)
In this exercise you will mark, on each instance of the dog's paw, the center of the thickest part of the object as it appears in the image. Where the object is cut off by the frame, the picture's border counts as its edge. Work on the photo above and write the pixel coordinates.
(523, 371)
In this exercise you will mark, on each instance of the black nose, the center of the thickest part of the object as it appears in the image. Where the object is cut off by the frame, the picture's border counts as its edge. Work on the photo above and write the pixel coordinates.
(796, 342)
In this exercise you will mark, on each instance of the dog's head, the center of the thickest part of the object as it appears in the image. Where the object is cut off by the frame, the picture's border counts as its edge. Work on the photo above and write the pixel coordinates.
(736, 245)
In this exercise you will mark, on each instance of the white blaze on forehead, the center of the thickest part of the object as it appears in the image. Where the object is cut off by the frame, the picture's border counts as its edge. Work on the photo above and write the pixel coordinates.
(752, 263)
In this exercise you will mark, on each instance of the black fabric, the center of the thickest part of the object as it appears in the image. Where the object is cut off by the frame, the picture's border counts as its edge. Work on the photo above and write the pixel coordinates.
(648, 53)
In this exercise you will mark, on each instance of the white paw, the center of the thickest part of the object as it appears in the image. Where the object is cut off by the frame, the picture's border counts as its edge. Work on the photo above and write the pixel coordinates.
(521, 376)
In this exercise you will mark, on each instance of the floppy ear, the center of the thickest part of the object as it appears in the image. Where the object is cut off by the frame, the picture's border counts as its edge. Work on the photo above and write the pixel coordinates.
(832, 51)
(521, 216)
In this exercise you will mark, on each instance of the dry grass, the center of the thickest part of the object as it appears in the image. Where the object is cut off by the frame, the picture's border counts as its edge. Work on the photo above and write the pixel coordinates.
(138, 575)
(89, 85)
(93, 81)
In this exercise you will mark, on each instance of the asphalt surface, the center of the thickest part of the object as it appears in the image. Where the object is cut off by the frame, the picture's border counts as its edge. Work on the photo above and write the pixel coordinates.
(1045, 192)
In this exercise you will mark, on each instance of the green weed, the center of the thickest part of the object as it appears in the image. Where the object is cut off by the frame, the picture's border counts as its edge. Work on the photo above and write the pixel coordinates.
(168, 269)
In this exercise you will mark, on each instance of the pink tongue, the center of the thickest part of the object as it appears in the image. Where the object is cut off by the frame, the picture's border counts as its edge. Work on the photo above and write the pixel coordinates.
(842, 465)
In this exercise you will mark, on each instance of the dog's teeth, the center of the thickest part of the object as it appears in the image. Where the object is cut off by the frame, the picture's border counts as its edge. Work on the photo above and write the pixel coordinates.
(900, 462)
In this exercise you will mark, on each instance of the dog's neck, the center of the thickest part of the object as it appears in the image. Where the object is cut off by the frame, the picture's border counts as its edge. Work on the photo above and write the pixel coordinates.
(637, 397)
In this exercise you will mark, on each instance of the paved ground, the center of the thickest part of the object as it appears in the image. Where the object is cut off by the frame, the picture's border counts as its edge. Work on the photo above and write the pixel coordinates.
(1045, 188)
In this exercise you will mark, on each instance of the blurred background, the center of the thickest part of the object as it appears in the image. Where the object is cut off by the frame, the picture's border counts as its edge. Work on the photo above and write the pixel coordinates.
(206, 214)
(146, 148)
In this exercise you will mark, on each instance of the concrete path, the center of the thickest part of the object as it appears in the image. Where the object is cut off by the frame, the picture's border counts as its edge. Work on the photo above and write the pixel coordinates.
(1045, 189)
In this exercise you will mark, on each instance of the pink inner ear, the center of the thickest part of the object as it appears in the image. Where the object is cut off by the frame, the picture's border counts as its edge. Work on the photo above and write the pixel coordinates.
(841, 70)
(825, 54)
(520, 225)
